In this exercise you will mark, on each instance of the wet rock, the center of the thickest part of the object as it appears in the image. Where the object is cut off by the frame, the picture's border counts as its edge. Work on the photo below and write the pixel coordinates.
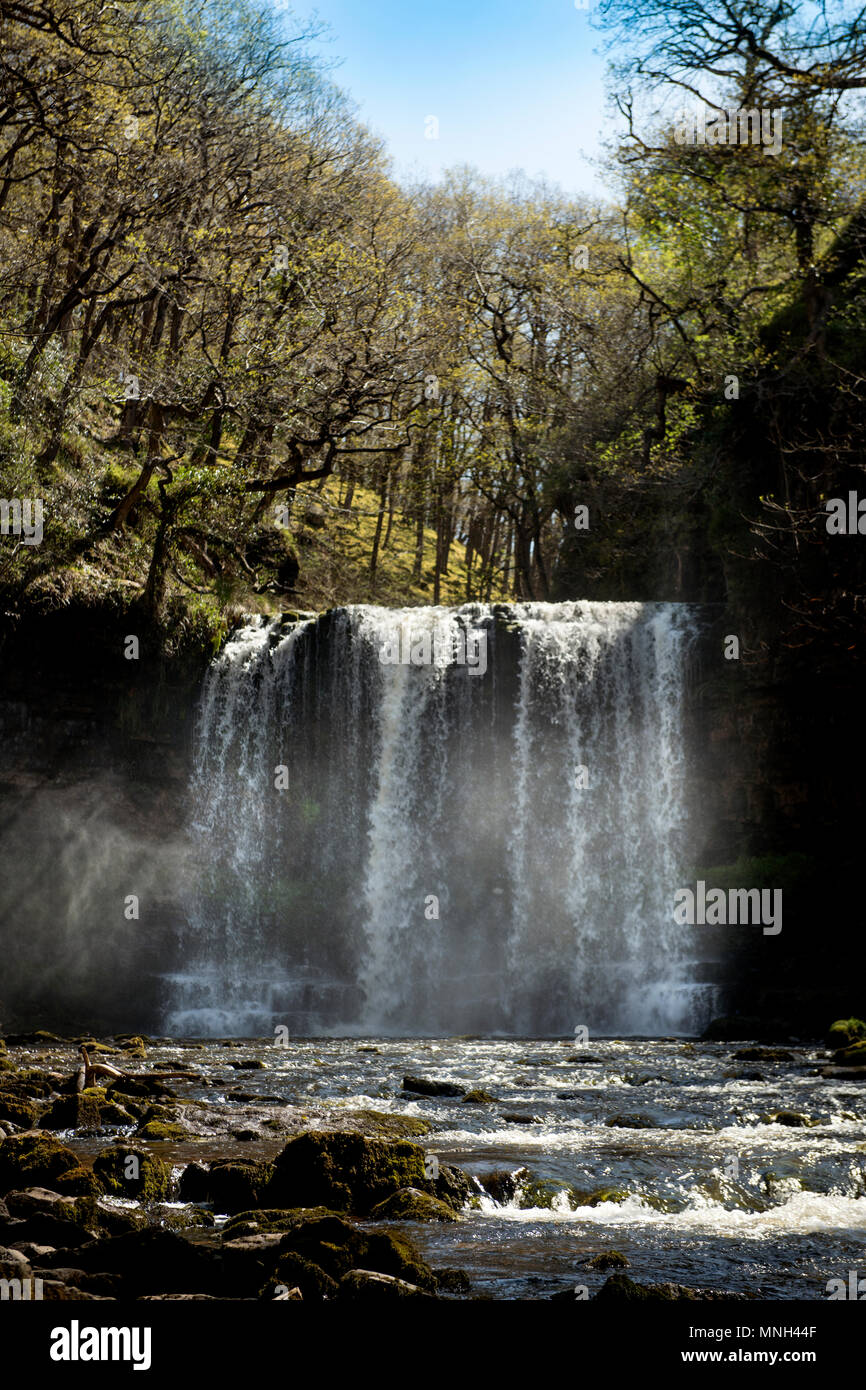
(194, 1184)
(344, 1171)
(367, 1285)
(336, 1246)
(478, 1097)
(237, 1184)
(25, 1201)
(452, 1186)
(162, 1130)
(269, 1220)
(33, 1160)
(17, 1111)
(249, 1064)
(411, 1205)
(82, 1110)
(454, 1281)
(14, 1264)
(608, 1259)
(501, 1185)
(630, 1122)
(293, 1271)
(514, 1117)
(132, 1173)
(425, 1086)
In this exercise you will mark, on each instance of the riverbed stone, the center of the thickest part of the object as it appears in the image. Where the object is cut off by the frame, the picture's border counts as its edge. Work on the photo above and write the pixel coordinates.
(344, 1171)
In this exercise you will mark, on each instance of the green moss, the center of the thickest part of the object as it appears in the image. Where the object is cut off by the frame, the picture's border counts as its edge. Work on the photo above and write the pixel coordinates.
(19, 1112)
(133, 1173)
(158, 1129)
(79, 1182)
(80, 1111)
(33, 1160)
(577, 1198)
(478, 1097)
(412, 1205)
(344, 1171)
(266, 1220)
(845, 1031)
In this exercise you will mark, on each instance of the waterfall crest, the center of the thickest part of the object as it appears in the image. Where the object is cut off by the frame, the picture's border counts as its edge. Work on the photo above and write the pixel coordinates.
(438, 821)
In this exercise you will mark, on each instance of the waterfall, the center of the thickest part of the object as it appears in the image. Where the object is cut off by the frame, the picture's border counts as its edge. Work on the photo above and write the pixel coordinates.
(438, 821)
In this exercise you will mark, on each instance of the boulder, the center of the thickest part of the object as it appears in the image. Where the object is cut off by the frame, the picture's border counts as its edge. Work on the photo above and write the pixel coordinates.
(132, 1173)
(33, 1160)
(336, 1246)
(367, 1285)
(630, 1122)
(345, 1171)
(237, 1184)
(16, 1111)
(411, 1205)
(424, 1086)
(82, 1110)
(853, 1056)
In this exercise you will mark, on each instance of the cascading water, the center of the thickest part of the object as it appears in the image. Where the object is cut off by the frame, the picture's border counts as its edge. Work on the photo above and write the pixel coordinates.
(431, 821)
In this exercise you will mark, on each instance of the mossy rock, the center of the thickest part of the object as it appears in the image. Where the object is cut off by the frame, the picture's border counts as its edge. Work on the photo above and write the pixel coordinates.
(82, 1110)
(345, 1171)
(478, 1096)
(845, 1031)
(237, 1184)
(79, 1182)
(853, 1056)
(597, 1197)
(539, 1192)
(33, 1160)
(608, 1259)
(411, 1205)
(336, 1246)
(17, 1112)
(30, 1083)
(265, 1220)
(160, 1129)
(293, 1271)
(146, 1180)
(6, 1064)
(630, 1122)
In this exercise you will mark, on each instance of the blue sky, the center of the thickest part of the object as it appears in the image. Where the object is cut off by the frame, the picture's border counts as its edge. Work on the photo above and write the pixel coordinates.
(512, 83)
